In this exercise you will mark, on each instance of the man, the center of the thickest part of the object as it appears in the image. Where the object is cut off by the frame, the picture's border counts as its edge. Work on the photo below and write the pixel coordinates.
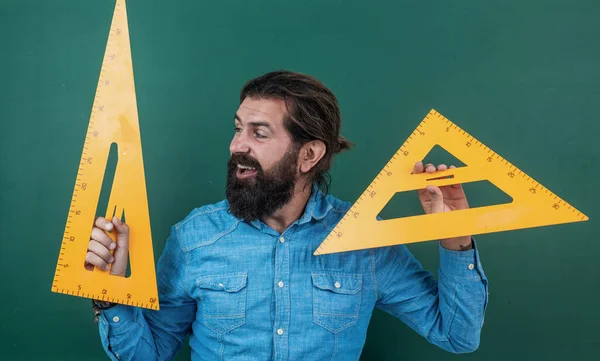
(240, 278)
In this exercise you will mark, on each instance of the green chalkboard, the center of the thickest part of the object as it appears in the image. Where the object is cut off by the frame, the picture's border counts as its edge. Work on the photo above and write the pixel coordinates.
(522, 76)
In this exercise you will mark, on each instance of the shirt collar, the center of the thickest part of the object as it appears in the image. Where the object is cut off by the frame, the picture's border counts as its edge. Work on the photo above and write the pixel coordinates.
(317, 207)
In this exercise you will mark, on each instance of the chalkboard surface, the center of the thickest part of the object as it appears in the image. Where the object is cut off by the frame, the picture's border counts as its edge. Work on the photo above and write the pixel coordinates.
(521, 76)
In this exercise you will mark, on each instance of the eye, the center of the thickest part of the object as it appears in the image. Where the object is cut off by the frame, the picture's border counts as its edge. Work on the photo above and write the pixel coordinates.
(259, 135)
(237, 129)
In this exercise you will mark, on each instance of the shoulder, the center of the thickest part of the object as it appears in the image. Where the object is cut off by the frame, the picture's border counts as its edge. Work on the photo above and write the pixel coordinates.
(205, 225)
(336, 209)
(337, 205)
(339, 208)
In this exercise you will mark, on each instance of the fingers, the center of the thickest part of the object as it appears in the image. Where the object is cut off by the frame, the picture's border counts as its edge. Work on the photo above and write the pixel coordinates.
(429, 168)
(93, 259)
(418, 168)
(437, 199)
(100, 246)
(122, 232)
(121, 254)
(455, 186)
(101, 251)
(99, 236)
(103, 224)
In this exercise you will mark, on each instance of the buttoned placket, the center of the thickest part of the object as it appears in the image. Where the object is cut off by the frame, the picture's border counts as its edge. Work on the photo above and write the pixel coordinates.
(281, 287)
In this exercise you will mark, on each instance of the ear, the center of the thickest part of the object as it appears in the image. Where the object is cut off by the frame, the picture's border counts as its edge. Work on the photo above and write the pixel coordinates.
(310, 154)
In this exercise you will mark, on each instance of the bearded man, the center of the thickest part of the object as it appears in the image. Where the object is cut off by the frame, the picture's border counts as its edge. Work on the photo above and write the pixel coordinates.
(239, 277)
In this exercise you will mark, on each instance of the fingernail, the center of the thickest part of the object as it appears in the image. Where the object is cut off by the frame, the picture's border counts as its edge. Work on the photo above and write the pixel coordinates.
(108, 226)
(112, 246)
(106, 267)
(111, 260)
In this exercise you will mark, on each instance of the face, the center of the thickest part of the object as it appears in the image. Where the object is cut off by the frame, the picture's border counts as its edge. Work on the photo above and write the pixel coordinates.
(262, 170)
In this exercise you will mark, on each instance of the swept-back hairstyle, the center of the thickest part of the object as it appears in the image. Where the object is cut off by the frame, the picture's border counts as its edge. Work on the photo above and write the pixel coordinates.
(312, 114)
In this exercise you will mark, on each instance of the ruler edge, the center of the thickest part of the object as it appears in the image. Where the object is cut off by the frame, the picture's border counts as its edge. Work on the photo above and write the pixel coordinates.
(85, 141)
(98, 90)
(399, 152)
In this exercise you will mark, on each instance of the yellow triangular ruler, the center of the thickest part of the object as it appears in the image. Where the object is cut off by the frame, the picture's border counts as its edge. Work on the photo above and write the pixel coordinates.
(114, 119)
(532, 205)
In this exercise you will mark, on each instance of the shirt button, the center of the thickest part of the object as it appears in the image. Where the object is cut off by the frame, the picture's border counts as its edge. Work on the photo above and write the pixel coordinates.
(281, 239)
(471, 266)
(337, 285)
(280, 331)
(280, 284)
(117, 356)
(116, 319)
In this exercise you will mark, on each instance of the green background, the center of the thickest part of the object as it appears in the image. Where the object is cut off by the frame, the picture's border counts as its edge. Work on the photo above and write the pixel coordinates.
(521, 76)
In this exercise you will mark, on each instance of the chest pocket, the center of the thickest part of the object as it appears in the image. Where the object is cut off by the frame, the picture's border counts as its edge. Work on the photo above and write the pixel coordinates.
(223, 301)
(336, 300)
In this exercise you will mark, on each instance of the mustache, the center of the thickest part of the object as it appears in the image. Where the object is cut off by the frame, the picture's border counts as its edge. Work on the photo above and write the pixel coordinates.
(244, 159)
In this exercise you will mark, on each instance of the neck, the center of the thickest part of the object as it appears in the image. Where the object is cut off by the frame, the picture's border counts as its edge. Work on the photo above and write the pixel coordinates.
(293, 210)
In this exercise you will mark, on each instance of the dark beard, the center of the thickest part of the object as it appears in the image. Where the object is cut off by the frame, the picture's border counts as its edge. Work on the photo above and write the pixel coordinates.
(261, 196)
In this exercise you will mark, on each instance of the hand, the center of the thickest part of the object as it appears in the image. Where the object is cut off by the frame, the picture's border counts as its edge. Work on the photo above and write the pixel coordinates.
(443, 199)
(101, 245)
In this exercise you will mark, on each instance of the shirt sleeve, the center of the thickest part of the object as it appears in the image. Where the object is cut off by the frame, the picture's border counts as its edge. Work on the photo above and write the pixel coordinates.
(131, 333)
(448, 312)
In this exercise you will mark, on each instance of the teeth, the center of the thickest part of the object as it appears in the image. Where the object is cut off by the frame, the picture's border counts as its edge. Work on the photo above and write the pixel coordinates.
(245, 167)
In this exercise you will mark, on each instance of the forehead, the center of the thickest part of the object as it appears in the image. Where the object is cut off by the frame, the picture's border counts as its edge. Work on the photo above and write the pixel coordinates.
(271, 111)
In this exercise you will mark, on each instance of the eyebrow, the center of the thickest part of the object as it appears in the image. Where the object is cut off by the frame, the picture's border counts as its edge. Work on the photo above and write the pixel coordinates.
(257, 123)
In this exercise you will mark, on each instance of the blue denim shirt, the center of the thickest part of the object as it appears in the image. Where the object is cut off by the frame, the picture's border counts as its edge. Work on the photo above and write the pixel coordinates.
(242, 291)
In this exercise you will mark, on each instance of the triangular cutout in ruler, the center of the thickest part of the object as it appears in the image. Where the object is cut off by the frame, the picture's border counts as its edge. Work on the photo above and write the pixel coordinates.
(114, 119)
(532, 205)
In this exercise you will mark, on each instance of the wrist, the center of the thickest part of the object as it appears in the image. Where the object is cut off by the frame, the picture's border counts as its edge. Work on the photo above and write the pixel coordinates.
(103, 305)
(464, 243)
(98, 306)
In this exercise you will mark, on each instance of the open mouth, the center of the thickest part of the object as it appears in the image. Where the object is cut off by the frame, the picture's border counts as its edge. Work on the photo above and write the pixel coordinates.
(244, 171)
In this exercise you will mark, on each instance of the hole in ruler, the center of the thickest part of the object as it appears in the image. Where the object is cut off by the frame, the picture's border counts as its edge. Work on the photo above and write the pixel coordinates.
(444, 177)
(128, 272)
(107, 183)
(438, 155)
(479, 194)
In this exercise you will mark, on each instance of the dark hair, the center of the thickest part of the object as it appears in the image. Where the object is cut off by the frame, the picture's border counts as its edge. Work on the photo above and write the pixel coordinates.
(312, 114)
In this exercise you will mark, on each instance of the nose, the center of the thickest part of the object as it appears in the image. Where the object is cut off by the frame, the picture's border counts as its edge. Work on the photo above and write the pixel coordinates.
(239, 144)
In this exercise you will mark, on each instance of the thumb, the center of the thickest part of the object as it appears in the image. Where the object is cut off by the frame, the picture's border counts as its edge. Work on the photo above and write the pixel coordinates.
(121, 253)
(437, 199)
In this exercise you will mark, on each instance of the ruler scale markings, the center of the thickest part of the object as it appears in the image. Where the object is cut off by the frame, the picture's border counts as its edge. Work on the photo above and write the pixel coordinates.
(114, 107)
(357, 234)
